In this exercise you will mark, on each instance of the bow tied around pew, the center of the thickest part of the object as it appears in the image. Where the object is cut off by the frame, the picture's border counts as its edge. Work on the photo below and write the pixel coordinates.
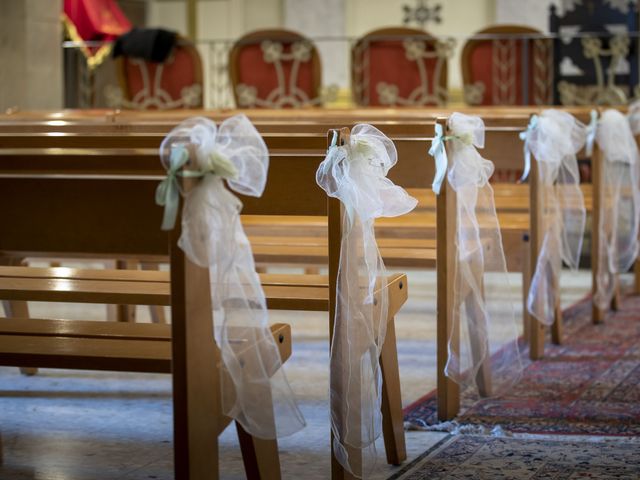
(618, 227)
(253, 384)
(469, 167)
(555, 141)
(482, 318)
(355, 173)
(235, 153)
(439, 152)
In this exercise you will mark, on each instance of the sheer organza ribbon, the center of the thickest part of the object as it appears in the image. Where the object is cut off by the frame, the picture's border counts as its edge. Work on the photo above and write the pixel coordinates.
(554, 141)
(592, 128)
(483, 347)
(356, 174)
(619, 204)
(634, 117)
(439, 153)
(524, 136)
(255, 391)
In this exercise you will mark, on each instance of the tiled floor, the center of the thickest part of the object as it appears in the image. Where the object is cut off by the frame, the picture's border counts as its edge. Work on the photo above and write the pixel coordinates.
(74, 425)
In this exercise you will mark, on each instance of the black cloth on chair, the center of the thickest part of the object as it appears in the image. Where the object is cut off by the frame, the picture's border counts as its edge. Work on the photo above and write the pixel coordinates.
(152, 44)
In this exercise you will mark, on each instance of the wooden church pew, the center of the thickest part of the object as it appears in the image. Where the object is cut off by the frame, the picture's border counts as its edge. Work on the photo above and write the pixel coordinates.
(448, 391)
(408, 147)
(598, 315)
(44, 187)
(497, 134)
(497, 130)
(267, 251)
(418, 172)
(47, 219)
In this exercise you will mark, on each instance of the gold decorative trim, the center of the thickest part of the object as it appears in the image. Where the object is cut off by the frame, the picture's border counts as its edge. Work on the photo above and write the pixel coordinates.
(93, 60)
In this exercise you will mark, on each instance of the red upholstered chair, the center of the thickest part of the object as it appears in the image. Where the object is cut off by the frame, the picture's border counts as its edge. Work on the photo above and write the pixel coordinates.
(275, 69)
(400, 67)
(176, 83)
(506, 70)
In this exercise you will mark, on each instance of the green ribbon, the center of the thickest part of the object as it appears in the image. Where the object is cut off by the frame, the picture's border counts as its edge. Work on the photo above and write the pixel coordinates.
(592, 129)
(439, 153)
(168, 192)
(525, 137)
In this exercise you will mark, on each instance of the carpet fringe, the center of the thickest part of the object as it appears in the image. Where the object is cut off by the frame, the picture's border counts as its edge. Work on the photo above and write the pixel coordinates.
(454, 428)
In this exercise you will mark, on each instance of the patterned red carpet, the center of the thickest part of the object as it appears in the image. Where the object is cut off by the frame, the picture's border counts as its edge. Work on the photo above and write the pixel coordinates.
(590, 385)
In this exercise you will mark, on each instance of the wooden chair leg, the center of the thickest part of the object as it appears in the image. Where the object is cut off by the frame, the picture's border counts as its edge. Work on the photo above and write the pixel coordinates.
(597, 315)
(556, 327)
(636, 273)
(156, 311)
(392, 418)
(480, 351)
(526, 285)
(157, 314)
(448, 397)
(616, 299)
(125, 313)
(195, 371)
(536, 329)
(260, 456)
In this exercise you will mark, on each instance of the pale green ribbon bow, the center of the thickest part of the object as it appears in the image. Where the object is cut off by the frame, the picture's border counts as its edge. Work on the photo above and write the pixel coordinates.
(524, 136)
(439, 152)
(592, 128)
(168, 192)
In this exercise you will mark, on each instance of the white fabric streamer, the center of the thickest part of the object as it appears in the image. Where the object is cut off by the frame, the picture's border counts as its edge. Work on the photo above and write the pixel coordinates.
(619, 205)
(356, 174)
(634, 117)
(555, 141)
(255, 391)
(483, 348)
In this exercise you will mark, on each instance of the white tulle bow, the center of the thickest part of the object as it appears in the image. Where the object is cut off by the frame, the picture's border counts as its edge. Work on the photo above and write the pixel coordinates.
(619, 204)
(483, 347)
(356, 174)
(555, 141)
(254, 387)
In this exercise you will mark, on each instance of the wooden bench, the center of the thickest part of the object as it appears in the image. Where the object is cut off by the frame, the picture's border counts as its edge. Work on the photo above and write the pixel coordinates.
(411, 150)
(503, 147)
(100, 202)
(417, 171)
(448, 391)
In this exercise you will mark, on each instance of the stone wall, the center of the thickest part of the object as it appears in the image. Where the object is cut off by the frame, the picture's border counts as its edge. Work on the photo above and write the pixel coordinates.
(30, 37)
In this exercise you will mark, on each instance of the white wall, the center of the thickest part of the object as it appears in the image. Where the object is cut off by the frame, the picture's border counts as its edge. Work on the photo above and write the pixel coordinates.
(525, 12)
(217, 19)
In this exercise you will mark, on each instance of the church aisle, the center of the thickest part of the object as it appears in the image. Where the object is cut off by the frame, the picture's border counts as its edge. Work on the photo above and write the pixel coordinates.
(80, 425)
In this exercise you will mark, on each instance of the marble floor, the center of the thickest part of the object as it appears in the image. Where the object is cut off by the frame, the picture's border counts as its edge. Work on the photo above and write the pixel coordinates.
(76, 425)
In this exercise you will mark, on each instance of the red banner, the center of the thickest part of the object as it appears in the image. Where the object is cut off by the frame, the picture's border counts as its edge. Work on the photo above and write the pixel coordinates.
(100, 20)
